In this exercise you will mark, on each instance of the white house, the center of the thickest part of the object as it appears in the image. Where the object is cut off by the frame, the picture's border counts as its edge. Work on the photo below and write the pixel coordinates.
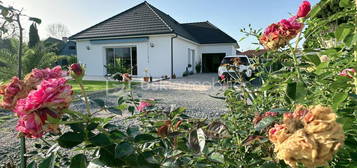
(144, 37)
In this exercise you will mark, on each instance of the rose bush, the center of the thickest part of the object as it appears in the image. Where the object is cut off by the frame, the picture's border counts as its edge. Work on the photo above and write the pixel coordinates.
(318, 84)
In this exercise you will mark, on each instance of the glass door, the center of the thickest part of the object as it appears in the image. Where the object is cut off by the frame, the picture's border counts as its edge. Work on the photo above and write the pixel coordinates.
(122, 60)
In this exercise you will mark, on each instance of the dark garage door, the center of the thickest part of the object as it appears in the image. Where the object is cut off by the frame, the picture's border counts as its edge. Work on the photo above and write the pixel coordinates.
(211, 62)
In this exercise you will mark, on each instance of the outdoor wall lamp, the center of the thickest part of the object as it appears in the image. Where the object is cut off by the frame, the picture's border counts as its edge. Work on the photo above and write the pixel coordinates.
(152, 45)
(88, 48)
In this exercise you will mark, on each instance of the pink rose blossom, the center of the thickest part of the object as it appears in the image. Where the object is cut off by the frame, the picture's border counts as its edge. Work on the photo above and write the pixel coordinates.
(142, 106)
(349, 72)
(11, 92)
(33, 125)
(37, 75)
(222, 77)
(52, 93)
(76, 71)
(304, 9)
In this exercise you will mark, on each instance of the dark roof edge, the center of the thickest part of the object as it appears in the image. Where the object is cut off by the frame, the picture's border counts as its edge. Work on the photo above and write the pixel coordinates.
(131, 35)
(72, 37)
(221, 31)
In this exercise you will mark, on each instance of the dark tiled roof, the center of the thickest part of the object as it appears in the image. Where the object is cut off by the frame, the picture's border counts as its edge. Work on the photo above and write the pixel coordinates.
(145, 19)
(207, 33)
(252, 53)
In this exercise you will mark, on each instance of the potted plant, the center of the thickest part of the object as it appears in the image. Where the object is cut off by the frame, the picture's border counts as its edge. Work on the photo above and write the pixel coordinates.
(146, 77)
(126, 77)
(198, 67)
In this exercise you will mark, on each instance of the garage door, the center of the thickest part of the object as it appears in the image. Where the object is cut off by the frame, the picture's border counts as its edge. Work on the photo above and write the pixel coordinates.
(211, 62)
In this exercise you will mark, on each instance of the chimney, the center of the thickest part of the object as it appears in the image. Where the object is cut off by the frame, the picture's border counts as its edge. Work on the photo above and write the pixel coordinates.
(65, 39)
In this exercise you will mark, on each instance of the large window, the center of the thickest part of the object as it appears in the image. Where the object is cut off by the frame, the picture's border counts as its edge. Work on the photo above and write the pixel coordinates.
(121, 60)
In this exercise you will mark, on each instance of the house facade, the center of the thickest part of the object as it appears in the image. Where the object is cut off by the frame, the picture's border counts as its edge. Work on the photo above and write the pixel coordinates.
(150, 42)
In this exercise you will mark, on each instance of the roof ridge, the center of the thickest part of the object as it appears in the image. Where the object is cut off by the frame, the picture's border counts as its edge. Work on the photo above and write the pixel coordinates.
(163, 21)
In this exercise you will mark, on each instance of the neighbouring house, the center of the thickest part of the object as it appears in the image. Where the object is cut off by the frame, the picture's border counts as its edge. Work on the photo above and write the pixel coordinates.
(145, 38)
(61, 47)
(69, 47)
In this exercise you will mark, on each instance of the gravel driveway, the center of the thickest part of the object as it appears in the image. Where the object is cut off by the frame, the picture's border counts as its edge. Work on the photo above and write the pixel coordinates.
(190, 92)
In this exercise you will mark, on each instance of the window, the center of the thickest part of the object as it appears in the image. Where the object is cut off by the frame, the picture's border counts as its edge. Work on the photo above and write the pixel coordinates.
(121, 60)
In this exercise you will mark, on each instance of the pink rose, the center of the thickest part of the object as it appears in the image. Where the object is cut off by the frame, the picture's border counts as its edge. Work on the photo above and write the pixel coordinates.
(222, 77)
(349, 72)
(11, 92)
(304, 9)
(76, 71)
(52, 93)
(33, 125)
(37, 75)
(142, 106)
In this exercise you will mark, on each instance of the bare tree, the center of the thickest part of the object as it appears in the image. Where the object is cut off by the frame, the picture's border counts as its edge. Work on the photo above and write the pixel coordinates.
(58, 30)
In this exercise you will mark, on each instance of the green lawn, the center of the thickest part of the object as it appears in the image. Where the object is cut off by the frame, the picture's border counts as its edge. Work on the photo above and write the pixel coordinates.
(92, 86)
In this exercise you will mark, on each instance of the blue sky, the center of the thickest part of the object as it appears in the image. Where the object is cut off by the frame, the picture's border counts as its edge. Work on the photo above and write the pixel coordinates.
(228, 15)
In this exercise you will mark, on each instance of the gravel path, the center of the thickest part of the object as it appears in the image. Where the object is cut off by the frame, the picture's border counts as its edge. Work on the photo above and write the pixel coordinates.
(190, 92)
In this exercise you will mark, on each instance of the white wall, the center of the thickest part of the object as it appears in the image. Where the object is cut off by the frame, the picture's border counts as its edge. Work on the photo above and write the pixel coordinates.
(159, 56)
(156, 59)
(229, 49)
(95, 58)
(181, 47)
(154, 55)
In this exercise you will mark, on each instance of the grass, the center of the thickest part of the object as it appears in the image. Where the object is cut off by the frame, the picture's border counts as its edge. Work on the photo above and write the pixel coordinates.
(92, 86)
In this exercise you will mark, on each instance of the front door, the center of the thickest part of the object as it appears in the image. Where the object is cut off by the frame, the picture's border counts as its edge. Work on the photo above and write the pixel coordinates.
(121, 60)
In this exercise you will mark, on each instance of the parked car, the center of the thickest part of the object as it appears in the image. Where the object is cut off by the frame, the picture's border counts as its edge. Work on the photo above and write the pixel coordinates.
(230, 65)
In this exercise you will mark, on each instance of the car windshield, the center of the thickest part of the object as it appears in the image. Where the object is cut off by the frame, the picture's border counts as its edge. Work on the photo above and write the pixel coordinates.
(230, 60)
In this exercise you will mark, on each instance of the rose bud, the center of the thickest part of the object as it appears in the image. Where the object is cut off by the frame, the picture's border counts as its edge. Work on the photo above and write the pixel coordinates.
(304, 9)
(76, 71)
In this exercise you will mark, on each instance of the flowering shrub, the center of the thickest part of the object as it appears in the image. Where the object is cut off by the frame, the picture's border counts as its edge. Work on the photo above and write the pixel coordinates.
(259, 130)
(310, 137)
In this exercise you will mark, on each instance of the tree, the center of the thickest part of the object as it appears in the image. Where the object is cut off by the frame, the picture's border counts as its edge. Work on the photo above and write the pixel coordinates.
(58, 30)
(34, 38)
(11, 18)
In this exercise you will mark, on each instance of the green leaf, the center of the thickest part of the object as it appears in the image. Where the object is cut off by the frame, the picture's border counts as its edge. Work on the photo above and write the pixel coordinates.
(296, 90)
(279, 110)
(313, 59)
(116, 134)
(107, 156)
(177, 111)
(92, 126)
(32, 165)
(49, 162)
(79, 161)
(96, 163)
(114, 110)
(343, 31)
(264, 123)
(133, 131)
(142, 138)
(123, 149)
(131, 109)
(4, 12)
(37, 20)
(78, 127)
(100, 140)
(216, 157)
(70, 139)
(345, 3)
(99, 102)
(338, 99)
(121, 100)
